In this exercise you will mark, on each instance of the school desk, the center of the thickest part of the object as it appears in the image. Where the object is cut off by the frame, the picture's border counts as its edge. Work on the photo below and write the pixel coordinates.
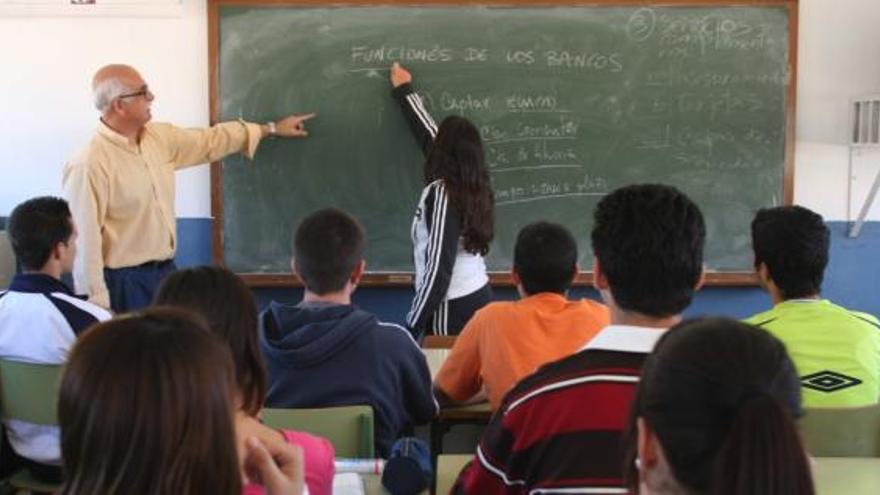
(832, 475)
(455, 415)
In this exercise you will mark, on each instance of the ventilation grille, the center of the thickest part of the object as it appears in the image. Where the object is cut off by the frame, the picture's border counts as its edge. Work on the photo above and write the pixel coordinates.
(866, 121)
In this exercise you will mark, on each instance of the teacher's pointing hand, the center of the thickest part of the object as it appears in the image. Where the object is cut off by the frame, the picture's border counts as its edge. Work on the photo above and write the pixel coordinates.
(292, 126)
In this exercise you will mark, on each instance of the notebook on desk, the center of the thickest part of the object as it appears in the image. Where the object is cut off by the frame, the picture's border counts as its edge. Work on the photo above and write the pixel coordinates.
(348, 484)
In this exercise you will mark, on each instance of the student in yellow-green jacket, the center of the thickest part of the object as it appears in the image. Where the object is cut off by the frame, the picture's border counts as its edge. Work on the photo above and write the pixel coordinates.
(836, 351)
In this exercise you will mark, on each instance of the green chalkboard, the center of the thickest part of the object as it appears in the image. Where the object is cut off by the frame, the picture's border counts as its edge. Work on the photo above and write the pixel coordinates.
(572, 102)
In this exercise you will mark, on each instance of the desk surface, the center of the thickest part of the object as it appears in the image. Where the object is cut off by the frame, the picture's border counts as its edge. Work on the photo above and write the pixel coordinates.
(448, 467)
(447, 473)
(860, 476)
(435, 358)
(373, 485)
(472, 412)
(850, 475)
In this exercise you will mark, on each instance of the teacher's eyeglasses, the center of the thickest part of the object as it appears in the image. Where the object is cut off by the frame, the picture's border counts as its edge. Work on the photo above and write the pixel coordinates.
(145, 92)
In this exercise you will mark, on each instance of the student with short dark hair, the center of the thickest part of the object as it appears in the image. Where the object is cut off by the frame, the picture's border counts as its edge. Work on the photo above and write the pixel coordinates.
(226, 303)
(715, 413)
(506, 341)
(146, 406)
(836, 350)
(40, 317)
(37, 227)
(561, 427)
(326, 352)
(327, 247)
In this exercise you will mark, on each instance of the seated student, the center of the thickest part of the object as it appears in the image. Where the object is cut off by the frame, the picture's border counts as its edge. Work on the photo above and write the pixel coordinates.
(561, 426)
(227, 304)
(506, 341)
(40, 317)
(837, 351)
(714, 413)
(326, 352)
(146, 407)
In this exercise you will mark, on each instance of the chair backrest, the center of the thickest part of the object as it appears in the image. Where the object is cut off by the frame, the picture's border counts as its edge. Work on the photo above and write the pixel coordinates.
(7, 260)
(842, 431)
(29, 392)
(438, 341)
(349, 428)
(448, 468)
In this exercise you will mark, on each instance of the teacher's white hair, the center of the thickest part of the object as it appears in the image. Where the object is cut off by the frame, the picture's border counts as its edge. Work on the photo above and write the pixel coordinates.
(107, 90)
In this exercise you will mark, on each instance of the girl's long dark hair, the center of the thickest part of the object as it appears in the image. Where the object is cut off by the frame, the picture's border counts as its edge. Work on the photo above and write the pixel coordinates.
(225, 302)
(763, 453)
(457, 158)
(146, 406)
(722, 397)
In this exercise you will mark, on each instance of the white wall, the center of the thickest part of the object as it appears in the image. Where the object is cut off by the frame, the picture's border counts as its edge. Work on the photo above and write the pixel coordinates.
(45, 99)
(837, 61)
(44, 95)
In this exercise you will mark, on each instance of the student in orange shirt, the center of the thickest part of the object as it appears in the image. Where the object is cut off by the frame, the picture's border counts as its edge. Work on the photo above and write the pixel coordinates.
(506, 341)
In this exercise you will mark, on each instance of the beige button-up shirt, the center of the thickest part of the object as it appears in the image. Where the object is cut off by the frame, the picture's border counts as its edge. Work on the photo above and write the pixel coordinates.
(122, 194)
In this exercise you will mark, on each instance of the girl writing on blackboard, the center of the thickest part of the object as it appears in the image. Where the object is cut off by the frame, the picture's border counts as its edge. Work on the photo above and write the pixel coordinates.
(453, 224)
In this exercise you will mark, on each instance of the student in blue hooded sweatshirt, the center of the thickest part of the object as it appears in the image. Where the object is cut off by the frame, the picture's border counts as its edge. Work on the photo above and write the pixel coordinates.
(326, 352)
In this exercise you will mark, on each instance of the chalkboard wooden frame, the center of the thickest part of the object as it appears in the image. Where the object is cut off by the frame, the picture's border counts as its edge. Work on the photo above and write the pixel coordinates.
(387, 279)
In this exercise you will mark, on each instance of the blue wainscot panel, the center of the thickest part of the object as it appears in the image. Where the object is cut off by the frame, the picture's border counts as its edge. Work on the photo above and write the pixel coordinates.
(852, 278)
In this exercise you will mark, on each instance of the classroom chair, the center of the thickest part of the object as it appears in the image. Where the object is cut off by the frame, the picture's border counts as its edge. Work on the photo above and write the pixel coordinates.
(7, 260)
(448, 467)
(349, 428)
(438, 342)
(29, 392)
(842, 431)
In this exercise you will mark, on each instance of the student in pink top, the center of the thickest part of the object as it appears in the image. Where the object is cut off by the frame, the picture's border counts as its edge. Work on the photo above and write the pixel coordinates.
(227, 304)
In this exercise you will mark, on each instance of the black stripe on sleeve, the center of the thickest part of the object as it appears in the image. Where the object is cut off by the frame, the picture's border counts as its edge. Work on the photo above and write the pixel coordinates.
(443, 232)
(78, 319)
(417, 117)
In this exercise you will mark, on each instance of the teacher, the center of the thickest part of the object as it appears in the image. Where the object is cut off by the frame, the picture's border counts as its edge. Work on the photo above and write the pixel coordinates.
(121, 187)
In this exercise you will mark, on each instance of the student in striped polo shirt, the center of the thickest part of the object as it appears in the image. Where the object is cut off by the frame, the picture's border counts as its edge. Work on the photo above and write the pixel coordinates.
(561, 427)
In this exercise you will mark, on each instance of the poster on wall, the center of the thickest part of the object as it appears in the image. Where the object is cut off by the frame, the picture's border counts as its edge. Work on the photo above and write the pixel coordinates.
(97, 8)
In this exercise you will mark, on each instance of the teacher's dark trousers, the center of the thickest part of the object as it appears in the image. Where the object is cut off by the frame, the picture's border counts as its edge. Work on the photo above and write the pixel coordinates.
(133, 287)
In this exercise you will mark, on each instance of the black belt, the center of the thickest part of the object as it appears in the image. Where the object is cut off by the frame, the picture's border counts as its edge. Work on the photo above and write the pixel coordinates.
(156, 264)
(147, 264)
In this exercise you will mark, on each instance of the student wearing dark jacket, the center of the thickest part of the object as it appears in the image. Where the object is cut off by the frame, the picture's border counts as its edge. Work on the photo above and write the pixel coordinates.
(326, 352)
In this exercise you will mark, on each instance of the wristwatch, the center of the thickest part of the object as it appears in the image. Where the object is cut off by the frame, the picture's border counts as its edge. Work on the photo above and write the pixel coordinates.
(272, 129)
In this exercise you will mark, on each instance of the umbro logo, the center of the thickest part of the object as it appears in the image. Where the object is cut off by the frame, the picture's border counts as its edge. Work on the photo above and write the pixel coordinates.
(829, 381)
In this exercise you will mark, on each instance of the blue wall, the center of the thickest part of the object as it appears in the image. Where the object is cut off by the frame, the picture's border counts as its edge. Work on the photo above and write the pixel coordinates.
(852, 278)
